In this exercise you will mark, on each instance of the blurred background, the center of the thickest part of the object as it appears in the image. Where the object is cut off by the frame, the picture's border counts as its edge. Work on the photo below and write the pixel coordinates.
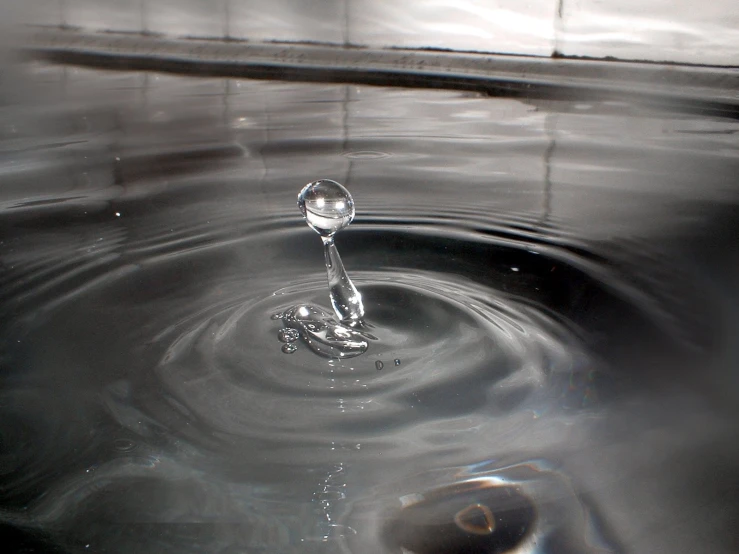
(679, 31)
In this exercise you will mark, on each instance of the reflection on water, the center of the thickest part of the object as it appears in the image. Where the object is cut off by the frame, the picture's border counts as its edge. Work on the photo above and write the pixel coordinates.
(622, 29)
(549, 288)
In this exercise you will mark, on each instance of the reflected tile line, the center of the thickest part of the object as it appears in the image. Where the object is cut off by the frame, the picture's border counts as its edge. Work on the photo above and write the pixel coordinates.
(346, 28)
(144, 16)
(550, 130)
(345, 103)
(227, 20)
(558, 29)
(63, 21)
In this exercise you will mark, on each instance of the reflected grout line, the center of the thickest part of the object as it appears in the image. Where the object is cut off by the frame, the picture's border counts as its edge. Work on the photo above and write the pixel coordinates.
(550, 130)
(346, 29)
(558, 28)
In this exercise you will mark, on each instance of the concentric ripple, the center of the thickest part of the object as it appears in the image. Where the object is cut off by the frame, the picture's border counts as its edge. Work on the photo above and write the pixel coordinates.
(475, 348)
(448, 334)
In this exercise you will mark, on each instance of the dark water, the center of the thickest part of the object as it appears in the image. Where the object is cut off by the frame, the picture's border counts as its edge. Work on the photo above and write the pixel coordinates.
(552, 286)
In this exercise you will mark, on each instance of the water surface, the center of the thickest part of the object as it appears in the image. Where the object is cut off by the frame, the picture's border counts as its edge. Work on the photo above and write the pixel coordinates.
(551, 285)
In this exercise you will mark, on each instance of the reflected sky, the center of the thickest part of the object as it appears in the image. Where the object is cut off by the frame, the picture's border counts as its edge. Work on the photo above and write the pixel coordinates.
(663, 30)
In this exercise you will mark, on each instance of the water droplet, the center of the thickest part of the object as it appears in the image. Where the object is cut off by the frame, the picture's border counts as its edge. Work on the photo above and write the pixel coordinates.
(379, 365)
(277, 316)
(288, 335)
(397, 361)
(289, 348)
(328, 207)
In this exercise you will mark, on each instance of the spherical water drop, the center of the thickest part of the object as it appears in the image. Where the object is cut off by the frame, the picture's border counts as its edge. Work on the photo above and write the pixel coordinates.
(379, 365)
(326, 206)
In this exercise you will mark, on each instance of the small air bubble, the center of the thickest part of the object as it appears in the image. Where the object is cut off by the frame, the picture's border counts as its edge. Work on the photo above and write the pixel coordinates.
(289, 348)
(379, 365)
(397, 361)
